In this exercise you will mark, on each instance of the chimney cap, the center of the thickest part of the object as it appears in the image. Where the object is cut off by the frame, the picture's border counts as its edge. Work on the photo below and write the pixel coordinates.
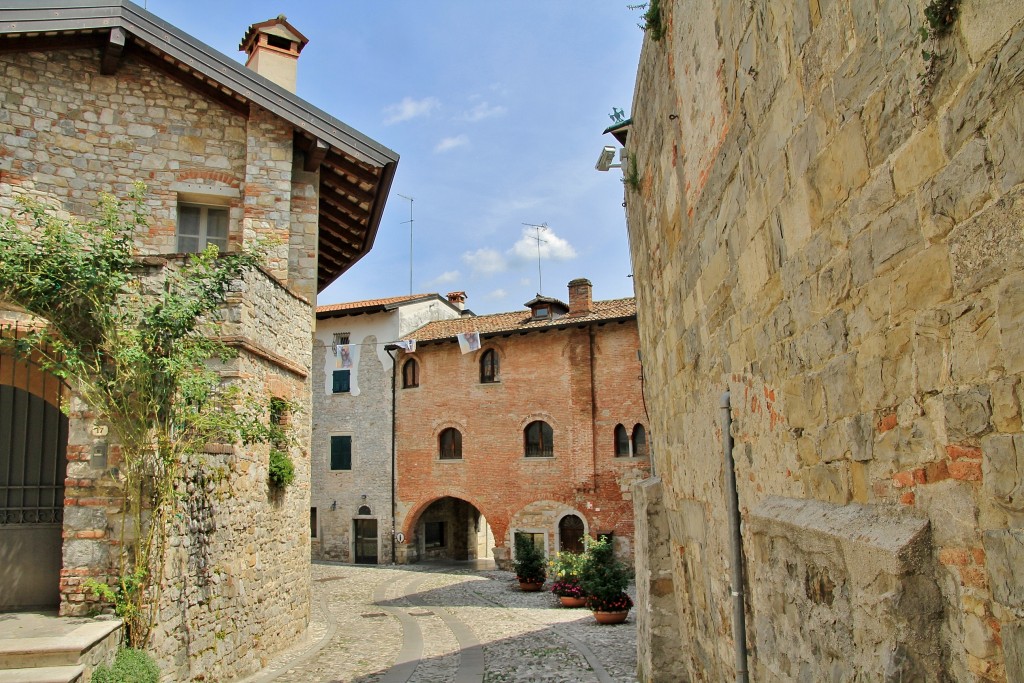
(457, 297)
(278, 26)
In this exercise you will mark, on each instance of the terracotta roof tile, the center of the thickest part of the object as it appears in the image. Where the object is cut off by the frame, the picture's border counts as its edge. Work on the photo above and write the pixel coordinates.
(518, 321)
(356, 306)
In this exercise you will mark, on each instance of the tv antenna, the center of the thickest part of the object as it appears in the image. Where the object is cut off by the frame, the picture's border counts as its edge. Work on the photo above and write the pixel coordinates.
(537, 238)
(410, 222)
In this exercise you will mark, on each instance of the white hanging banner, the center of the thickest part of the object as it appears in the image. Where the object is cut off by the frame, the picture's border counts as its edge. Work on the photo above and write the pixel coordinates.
(468, 341)
(408, 345)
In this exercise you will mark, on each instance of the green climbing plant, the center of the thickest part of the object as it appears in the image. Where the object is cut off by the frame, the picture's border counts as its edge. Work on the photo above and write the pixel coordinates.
(653, 23)
(940, 17)
(135, 341)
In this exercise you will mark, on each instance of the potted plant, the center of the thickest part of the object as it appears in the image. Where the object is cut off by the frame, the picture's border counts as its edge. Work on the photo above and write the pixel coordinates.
(566, 570)
(604, 580)
(529, 564)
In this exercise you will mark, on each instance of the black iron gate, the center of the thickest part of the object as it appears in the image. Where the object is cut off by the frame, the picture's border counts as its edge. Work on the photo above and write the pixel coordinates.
(33, 466)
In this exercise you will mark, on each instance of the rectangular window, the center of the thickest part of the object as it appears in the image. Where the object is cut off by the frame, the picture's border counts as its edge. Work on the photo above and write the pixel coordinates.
(433, 534)
(200, 226)
(340, 338)
(312, 522)
(341, 381)
(341, 452)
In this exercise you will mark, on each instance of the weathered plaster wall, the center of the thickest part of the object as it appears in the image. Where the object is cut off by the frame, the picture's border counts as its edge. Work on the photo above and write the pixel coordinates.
(365, 415)
(840, 246)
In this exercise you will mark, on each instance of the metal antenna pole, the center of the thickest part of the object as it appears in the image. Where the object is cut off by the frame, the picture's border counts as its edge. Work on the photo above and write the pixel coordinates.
(537, 238)
(410, 221)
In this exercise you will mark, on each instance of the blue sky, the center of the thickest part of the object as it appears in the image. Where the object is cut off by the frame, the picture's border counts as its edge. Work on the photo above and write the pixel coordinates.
(497, 110)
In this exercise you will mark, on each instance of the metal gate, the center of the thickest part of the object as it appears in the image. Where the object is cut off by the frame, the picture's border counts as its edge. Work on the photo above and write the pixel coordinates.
(33, 465)
(366, 541)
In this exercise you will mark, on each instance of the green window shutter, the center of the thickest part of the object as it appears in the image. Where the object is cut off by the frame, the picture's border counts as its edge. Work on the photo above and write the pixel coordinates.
(341, 452)
(341, 381)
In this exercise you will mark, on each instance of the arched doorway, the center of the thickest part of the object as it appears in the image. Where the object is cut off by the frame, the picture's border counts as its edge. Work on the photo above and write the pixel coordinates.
(570, 534)
(453, 529)
(33, 466)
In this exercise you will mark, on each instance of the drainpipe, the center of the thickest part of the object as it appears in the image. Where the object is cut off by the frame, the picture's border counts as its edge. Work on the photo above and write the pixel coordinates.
(739, 624)
(394, 373)
(593, 408)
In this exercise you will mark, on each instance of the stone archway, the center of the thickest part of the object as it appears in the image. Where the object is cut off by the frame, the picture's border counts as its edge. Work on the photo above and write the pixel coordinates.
(33, 467)
(450, 528)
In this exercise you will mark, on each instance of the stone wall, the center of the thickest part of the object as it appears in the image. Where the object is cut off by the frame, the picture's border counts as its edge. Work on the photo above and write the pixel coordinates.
(236, 575)
(829, 226)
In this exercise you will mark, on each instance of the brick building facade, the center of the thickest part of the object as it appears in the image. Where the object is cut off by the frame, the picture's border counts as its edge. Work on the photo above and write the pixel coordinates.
(541, 430)
(92, 98)
(351, 473)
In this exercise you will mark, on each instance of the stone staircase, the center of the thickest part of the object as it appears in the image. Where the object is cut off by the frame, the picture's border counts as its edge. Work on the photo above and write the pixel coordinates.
(41, 648)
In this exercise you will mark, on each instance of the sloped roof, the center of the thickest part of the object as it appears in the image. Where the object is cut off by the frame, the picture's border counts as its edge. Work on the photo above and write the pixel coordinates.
(375, 305)
(522, 322)
(355, 171)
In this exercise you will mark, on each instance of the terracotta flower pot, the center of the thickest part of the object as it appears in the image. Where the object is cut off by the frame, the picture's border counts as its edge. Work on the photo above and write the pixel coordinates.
(611, 617)
(569, 601)
(530, 586)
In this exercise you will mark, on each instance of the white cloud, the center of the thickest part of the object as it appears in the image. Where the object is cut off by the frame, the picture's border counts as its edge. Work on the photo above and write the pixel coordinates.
(552, 248)
(496, 294)
(486, 261)
(445, 278)
(451, 143)
(409, 108)
(482, 111)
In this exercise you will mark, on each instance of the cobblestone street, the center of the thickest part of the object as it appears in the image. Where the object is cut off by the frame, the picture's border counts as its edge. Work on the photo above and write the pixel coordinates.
(436, 624)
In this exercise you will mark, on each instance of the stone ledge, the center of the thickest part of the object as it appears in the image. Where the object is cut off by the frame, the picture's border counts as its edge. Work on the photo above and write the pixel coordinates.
(43, 674)
(892, 532)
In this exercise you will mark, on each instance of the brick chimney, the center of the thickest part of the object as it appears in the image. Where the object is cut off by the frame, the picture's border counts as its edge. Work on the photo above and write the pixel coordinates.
(273, 47)
(580, 296)
(457, 299)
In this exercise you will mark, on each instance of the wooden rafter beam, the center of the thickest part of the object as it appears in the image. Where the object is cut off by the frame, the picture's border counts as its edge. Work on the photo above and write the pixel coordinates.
(113, 51)
(344, 166)
(341, 184)
(315, 151)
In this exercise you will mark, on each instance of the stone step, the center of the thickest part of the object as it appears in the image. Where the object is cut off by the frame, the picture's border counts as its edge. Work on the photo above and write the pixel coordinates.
(53, 651)
(43, 674)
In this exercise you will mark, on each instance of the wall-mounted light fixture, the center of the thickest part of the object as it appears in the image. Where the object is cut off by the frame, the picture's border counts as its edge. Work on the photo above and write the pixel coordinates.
(334, 505)
(604, 162)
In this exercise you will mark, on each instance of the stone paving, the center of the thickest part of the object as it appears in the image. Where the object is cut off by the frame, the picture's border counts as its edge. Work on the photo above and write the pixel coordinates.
(452, 623)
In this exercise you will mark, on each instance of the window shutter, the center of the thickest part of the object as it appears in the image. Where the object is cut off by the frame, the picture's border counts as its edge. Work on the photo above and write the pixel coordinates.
(341, 381)
(341, 452)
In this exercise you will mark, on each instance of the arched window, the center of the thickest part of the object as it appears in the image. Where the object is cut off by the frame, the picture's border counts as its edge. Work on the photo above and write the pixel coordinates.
(538, 439)
(489, 366)
(621, 442)
(364, 510)
(639, 441)
(410, 374)
(450, 443)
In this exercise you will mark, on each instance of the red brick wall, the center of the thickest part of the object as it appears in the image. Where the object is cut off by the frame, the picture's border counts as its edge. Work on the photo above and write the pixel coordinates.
(546, 376)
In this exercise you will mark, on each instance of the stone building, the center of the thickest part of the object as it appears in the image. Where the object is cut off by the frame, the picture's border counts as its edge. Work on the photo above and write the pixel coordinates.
(827, 222)
(541, 430)
(94, 96)
(350, 512)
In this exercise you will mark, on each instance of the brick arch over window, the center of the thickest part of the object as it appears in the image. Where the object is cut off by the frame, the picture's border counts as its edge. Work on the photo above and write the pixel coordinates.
(449, 444)
(539, 440)
(490, 366)
(622, 449)
(639, 440)
(410, 373)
